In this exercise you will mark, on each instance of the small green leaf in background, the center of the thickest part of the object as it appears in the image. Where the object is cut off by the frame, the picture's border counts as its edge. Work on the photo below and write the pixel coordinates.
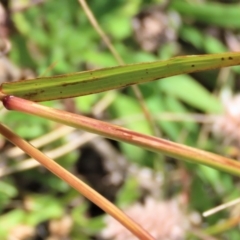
(129, 193)
(10, 220)
(43, 207)
(7, 192)
(124, 106)
(85, 226)
(202, 41)
(156, 104)
(191, 92)
(218, 14)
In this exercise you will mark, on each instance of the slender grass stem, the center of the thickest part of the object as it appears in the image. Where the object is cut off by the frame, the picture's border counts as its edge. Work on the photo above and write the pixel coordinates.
(122, 134)
(120, 61)
(76, 183)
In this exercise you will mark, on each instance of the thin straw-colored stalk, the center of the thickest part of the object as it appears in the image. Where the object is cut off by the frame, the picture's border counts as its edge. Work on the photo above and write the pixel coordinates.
(99, 30)
(223, 226)
(221, 207)
(171, 117)
(48, 69)
(76, 183)
(122, 134)
(42, 141)
(120, 61)
(54, 153)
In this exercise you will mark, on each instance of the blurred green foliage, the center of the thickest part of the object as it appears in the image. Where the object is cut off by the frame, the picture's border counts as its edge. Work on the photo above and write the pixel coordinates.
(59, 31)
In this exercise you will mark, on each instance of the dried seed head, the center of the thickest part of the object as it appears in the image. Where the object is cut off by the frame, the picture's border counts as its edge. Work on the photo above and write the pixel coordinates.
(164, 220)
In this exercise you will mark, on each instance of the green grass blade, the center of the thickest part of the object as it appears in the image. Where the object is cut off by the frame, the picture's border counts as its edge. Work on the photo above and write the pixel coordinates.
(218, 14)
(88, 82)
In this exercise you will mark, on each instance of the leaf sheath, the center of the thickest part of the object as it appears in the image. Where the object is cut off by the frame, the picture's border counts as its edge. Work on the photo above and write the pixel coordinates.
(89, 82)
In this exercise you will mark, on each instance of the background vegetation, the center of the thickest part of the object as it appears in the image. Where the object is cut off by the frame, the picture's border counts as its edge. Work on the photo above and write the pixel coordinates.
(55, 37)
